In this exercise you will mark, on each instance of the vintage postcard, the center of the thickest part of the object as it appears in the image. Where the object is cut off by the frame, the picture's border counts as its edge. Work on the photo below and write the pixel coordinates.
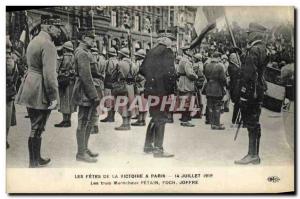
(150, 99)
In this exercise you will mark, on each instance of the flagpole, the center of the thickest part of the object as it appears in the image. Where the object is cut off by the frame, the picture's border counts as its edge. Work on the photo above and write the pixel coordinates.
(232, 37)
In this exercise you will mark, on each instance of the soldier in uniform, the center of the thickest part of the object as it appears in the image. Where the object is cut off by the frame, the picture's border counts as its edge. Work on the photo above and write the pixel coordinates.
(125, 68)
(252, 91)
(225, 63)
(198, 68)
(98, 73)
(139, 89)
(186, 86)
(85, 94)
(11, 77)
(39, 89)
(66, 80)
(111, 65)
(159, 71)
(216, 81)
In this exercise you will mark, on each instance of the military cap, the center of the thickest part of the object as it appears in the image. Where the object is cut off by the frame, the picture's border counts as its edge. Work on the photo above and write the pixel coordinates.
(167, 33)
(112, 51)
(88, 31)
(140, 53)
(68, 45)
(124, 51)
(255, 27)
(51, 20)
(198, 56)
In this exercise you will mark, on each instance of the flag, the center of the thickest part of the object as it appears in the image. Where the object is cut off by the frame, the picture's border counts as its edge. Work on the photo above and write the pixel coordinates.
(205, 21)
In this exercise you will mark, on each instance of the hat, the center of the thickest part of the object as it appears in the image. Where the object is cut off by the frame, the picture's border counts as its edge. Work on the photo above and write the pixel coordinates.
(88, 31)
(216, 55)
(112, 51)
(140, 53)
(198, 56)
(167, 33)
(255, 27)
(51, 20)
(68, 45)
(124, 51)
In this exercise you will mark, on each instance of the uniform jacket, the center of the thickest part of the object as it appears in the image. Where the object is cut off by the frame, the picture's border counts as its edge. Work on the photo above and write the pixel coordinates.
(253, 69)
(139, 79)
(98, 69)
(216, 80)
(40, 85)
(187, 76)
(234, 73)
(198, 68)
(159, 71)
(84, 90)
(110, 66)
(126, 68)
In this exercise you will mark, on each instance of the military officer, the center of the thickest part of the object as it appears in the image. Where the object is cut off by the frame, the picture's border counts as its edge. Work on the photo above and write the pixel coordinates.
(111, 65)
(85, 94)
(139, 89)
(125, 68)
(186, 85)
(39, 89)
(159, 71)
(252, 91)
(11, 78)
(66, 80)
(216, 81)
(98, 73)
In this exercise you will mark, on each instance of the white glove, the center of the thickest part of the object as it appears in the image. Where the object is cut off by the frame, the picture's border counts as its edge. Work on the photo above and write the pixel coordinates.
(53, 104)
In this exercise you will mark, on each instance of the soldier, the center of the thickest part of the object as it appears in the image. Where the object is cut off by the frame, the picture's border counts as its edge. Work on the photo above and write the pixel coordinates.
(85, 94)
(11, 77)
(159, 71)
(216, 81)
(111, 65)
(139, 89)
(125, 74)
(186, 86)
(198, 68)
(252, 91)
(66, 80)
(39, 89)
(225, 63)
(98, 73)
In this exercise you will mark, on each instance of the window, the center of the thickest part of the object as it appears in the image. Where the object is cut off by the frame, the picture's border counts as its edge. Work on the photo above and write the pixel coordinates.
(113, 18)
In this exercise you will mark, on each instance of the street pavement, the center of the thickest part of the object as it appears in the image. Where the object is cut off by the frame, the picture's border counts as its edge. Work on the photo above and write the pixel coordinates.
(193, 147)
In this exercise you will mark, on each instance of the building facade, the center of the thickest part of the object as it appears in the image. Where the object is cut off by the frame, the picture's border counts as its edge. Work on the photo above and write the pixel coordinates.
(116, 26)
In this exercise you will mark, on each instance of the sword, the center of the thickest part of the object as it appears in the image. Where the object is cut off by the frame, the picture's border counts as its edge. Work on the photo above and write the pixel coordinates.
(239, 120)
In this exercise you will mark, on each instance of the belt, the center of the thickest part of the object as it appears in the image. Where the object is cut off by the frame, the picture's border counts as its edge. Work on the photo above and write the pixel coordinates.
(35, 71)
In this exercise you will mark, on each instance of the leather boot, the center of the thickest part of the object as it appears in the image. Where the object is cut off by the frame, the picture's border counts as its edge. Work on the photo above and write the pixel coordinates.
(41, 161)
(160, 153)
(149, 137)
(63, 124)
(125, 126)
(140, 121)
(32, 158)
(110, 117)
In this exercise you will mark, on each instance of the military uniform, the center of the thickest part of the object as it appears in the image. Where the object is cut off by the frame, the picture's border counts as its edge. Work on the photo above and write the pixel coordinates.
(186, 87)
(198, 69)
(85, 96)
(111, 66)
(159, 71)
(66, 71)
(125, 74)
(39, 87)
(252, 91)
(216, 81)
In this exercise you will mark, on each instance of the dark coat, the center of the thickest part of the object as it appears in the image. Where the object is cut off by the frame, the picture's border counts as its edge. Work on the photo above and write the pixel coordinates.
(253, 70)
(40, 85)
(216, 79)
(159, 71)
(234, 73)
(84, 89)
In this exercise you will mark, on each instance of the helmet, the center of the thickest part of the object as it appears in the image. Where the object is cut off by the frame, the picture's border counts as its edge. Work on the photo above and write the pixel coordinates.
(112, 51)
(140, 53)
(124, 52)
(68, 45)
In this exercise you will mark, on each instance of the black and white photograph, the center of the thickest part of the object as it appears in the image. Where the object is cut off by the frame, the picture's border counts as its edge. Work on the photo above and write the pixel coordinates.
(150, 99)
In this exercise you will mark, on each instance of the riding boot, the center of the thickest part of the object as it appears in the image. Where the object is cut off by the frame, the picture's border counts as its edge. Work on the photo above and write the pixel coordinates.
(41, 161)
(148, 147)
(32, 157)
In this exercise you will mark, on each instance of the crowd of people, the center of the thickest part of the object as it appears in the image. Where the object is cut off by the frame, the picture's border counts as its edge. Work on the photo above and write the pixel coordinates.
(86, 81)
